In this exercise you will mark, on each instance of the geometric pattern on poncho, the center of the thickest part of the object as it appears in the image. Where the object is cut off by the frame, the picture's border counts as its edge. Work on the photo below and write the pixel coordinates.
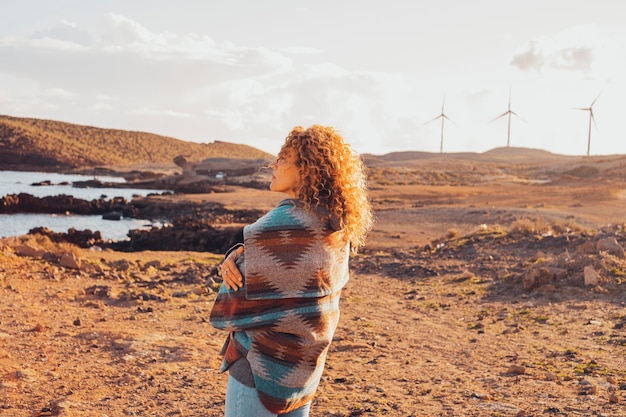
(294, 267)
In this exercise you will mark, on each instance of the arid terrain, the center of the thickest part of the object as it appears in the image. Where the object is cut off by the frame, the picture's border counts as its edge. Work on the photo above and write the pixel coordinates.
(486, 289)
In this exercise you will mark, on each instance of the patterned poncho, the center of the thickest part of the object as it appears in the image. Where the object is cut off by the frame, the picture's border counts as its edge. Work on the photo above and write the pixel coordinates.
(288, 309)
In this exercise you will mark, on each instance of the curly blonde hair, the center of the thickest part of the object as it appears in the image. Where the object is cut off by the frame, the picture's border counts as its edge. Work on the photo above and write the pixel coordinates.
(333, 178)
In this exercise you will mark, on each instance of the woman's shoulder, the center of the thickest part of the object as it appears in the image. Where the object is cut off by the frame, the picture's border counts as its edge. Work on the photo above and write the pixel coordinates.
(293, 212)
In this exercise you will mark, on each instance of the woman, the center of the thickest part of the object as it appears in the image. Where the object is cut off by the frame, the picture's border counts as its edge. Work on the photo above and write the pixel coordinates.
(280, 295)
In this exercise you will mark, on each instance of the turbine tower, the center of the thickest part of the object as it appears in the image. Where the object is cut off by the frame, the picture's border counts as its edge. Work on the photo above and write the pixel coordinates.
(508, 113)
(443, 117)
(591, 120)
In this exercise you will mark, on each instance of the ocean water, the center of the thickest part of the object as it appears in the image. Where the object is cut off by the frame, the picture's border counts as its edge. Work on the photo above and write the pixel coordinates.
(14, 182)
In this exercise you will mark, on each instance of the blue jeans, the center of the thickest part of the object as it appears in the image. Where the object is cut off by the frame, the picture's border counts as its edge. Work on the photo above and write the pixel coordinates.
(243, 401)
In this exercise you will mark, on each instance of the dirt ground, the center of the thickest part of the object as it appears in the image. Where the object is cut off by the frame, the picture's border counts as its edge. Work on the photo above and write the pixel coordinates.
(439, 317)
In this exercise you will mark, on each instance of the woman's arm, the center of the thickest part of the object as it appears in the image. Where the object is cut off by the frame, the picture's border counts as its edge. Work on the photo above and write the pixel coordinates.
(232, 311)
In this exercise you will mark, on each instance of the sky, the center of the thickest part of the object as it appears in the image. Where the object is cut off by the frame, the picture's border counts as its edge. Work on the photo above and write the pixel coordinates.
(379, 72)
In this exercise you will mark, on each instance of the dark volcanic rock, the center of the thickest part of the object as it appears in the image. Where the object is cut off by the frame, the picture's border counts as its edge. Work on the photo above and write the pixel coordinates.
(26, 203)
(186, 233)
(189, 226)
(82, 238)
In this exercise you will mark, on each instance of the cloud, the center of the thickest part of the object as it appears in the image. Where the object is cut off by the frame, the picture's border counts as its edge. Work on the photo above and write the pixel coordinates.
(579, 50)
(130, 59)
(58, 93)
(101, 106)
(66, 32)
(120, 30)
(191, 87)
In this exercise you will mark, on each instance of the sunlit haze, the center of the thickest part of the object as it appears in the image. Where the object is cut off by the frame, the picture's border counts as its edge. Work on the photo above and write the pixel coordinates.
(248, 71)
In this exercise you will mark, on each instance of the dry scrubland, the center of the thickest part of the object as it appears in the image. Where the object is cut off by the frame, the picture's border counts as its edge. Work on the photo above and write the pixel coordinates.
(51, 145)
(470, 300)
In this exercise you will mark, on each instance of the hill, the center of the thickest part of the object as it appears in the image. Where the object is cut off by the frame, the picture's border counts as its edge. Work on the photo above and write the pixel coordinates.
(516, 155)
(49, 145)
(498, 164)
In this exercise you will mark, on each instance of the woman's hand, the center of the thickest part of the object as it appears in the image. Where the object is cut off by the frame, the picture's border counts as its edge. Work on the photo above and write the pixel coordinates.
(229, 272)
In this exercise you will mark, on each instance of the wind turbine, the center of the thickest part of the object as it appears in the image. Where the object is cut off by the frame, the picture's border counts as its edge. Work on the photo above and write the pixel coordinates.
(443, 117)
(591, 119)
(508, 113)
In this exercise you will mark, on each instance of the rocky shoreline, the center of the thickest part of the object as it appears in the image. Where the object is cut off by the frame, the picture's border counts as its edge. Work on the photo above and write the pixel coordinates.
(186, 226)
(197, 226)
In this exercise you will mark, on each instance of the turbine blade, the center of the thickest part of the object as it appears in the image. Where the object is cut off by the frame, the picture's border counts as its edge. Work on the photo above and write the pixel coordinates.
(434, 118)
(496, 118)
(594, 100)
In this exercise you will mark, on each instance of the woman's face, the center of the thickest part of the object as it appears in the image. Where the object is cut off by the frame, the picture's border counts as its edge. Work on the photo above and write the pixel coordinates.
(285, 175)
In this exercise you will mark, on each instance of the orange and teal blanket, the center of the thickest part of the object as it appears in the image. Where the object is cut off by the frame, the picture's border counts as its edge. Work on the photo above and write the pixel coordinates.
(294, 267)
